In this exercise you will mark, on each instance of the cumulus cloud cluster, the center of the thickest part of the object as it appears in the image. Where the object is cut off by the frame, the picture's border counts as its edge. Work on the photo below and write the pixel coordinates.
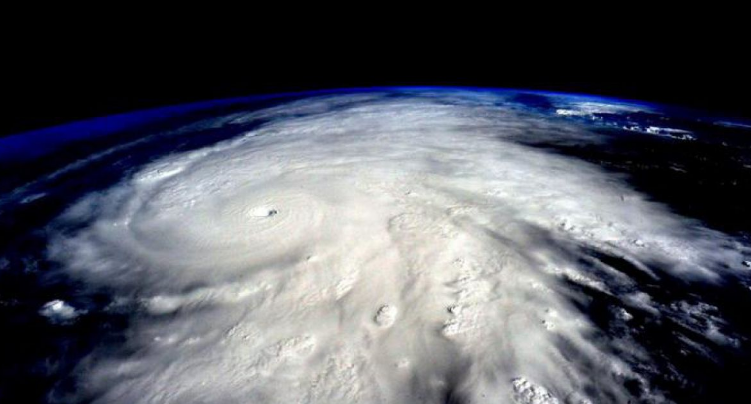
(376, 249)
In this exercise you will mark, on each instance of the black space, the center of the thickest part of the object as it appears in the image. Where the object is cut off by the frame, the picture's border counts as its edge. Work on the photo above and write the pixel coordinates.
(71, 72)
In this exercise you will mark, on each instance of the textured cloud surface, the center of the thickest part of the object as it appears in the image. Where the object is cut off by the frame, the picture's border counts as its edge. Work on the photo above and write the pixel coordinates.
(392, 250)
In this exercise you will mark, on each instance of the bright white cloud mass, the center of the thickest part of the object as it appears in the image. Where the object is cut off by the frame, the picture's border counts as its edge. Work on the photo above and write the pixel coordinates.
(391, 250)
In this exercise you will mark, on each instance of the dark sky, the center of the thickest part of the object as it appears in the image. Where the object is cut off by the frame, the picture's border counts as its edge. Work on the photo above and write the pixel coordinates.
(69, 75)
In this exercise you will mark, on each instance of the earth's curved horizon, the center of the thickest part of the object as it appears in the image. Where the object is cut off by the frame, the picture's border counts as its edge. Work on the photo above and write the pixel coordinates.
(380, 245)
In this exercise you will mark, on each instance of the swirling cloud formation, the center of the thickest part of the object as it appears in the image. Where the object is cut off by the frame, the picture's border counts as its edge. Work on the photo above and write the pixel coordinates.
(380, 249)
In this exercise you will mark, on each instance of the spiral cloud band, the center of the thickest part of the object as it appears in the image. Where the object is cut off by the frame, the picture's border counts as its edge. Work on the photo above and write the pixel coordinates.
(381, 249)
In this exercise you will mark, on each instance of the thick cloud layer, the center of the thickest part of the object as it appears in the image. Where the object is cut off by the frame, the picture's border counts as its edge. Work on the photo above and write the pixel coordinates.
(366, 249)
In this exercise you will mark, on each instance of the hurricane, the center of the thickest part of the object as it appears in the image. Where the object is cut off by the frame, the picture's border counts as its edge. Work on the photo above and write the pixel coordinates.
(392, 247)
